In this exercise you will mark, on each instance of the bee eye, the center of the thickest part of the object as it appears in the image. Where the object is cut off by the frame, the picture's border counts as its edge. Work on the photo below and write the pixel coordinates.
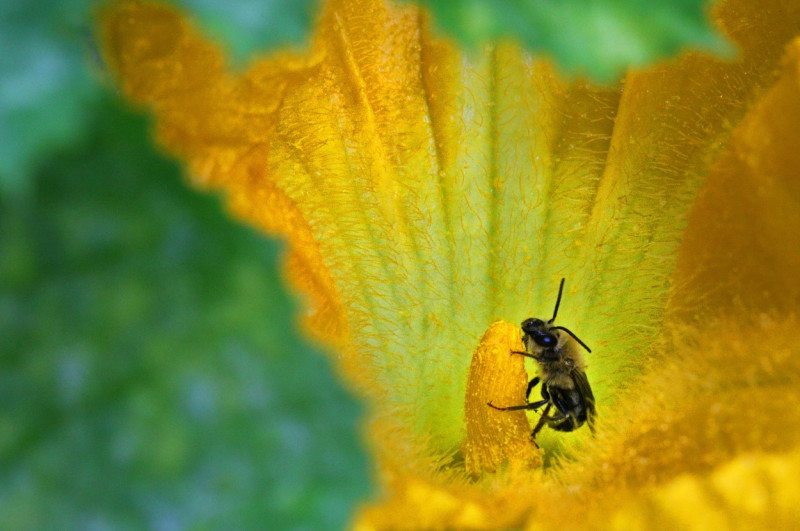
(546, 340)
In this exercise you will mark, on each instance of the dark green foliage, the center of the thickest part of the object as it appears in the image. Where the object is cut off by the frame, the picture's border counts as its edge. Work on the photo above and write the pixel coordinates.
(599, 38)
(45, 82)
(251, 28)
(150, 372)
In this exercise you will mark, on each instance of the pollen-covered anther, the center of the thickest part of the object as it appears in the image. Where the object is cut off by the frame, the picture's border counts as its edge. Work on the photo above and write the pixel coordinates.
(497, 438)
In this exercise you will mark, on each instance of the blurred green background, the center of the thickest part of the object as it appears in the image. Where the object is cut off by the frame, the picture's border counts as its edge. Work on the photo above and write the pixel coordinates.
(150, 373)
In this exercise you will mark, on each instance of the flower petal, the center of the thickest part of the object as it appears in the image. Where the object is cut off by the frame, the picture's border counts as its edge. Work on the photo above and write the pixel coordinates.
(740, 252)
(717, 388)
(750, 492)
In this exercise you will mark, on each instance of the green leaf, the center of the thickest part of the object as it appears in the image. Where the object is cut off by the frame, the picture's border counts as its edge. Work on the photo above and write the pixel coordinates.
(150, 372)
(44, 83)
(600, 38)
(254, 27)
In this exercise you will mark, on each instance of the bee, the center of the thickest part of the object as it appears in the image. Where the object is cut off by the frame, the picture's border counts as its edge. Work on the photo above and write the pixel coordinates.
(561, 373)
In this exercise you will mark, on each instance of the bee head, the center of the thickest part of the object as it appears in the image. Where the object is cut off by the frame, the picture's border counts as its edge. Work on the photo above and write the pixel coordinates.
(531, 326)
(538, 330)
(543, 333)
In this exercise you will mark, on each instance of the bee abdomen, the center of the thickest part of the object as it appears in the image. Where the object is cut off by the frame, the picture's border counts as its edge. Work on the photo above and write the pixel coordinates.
(569, 423)
(572, 411)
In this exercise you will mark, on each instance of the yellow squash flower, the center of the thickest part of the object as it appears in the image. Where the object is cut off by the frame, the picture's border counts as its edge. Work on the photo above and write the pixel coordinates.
(430, 198)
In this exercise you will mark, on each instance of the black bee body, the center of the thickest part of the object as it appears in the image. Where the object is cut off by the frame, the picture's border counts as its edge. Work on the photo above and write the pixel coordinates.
(562, 373)
(575, 408)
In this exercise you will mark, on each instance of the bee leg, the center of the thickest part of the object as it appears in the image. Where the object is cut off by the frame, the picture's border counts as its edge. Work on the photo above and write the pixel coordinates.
(563, 414)
(557, 401)
(534, 406)
(533, 383)
(560, 399)
(540, 424)
(525, 354)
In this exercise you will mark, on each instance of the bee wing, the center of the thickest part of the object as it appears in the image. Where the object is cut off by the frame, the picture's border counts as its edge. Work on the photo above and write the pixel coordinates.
(582, 384)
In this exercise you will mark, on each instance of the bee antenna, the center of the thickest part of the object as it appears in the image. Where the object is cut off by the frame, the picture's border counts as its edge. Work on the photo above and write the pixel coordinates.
(558, 300)
(567, 330)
